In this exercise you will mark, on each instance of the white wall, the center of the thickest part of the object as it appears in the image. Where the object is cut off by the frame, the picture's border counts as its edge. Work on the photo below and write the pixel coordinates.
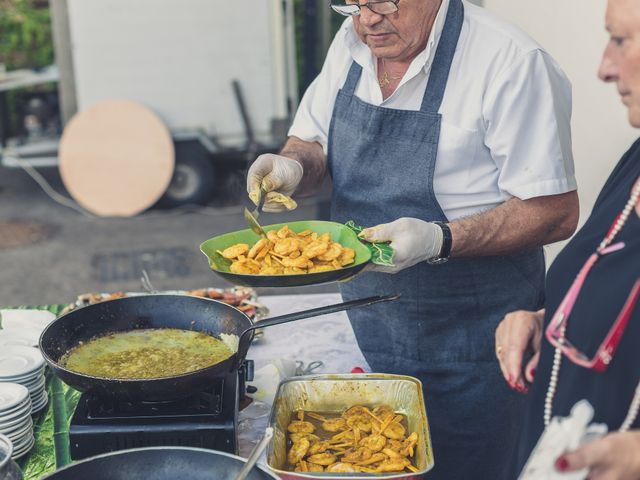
(179, 58)
(573, 32)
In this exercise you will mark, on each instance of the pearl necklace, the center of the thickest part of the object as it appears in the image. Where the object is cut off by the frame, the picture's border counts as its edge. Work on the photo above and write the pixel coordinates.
(634, 408)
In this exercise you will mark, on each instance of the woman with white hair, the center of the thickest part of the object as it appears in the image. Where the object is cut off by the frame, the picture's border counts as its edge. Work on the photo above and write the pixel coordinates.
(586, 342)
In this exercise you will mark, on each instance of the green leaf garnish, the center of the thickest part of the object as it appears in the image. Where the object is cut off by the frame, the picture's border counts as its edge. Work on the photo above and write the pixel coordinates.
(381, 252)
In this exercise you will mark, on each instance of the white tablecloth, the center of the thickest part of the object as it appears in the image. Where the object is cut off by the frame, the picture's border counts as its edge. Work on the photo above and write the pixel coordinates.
(328, 338)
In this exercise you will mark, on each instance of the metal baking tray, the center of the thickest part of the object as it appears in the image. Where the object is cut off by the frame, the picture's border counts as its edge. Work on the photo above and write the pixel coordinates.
(335, 393)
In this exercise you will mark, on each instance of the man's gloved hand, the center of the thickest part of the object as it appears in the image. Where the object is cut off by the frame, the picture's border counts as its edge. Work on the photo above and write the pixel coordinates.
(412, 240)
(276, 174)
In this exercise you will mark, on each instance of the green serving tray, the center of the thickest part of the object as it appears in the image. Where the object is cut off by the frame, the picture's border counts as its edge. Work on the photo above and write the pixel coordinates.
(339, 233)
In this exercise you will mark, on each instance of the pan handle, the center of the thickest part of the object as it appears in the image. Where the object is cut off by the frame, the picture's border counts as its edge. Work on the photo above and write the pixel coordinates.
(314, 312)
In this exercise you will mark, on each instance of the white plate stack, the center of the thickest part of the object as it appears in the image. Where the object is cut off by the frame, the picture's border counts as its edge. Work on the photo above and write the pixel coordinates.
(24, 319)
(23, 337)
(25, 365)
(22, 327)
(15, 417)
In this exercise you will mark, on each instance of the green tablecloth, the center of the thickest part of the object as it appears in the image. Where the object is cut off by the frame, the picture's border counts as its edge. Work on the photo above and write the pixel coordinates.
(51, 425)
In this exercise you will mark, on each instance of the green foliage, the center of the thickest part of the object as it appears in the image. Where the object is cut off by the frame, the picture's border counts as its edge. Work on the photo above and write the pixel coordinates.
(25, 34)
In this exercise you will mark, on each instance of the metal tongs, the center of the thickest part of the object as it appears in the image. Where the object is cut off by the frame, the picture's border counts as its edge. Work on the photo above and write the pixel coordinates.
(255, 454)
(252, 217)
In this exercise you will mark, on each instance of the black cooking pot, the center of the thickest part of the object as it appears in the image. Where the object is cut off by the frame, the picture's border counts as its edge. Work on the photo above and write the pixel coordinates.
(160, 463)
(161, 311)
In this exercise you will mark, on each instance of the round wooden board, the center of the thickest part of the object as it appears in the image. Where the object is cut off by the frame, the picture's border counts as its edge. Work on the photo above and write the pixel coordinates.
(116, 158)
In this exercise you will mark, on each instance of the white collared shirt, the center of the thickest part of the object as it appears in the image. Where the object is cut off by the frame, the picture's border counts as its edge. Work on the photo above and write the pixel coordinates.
(506, 111)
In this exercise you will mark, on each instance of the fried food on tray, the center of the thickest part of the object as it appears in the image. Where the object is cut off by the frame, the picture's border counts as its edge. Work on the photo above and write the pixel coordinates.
(359, 440)
(241, 297)
(285, 252)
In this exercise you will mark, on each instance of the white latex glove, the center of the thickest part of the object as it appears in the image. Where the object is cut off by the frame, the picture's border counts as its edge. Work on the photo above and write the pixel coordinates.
(413, 241)
(276, 174)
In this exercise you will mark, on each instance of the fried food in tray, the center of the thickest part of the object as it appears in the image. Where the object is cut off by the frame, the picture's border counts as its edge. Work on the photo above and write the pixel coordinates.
(285, 252)
(359, 440)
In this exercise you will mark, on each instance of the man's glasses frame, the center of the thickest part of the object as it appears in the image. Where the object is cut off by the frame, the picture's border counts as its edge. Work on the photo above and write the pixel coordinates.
(555, 332)
(381, 7)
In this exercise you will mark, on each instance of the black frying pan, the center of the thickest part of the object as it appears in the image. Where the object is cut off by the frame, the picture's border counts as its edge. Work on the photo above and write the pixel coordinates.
(160, 463)
(161, 311)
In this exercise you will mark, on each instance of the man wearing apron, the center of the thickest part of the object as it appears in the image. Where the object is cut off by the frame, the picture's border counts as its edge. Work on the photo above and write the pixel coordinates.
(389, 167)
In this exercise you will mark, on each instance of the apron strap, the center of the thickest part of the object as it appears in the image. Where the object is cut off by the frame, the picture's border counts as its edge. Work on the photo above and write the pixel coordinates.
(443, 58)
(353, 77)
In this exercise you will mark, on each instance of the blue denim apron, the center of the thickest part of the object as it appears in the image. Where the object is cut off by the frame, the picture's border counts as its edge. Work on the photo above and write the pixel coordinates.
(442, 328)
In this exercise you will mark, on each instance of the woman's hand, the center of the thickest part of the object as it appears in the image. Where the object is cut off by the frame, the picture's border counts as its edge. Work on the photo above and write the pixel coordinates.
(518, 332)
(613, 457)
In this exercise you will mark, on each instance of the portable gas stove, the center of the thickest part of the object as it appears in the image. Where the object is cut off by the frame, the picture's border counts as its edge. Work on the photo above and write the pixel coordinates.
(206, 419)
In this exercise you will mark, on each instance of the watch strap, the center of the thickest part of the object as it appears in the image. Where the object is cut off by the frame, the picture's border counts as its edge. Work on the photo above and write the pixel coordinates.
(447, 241)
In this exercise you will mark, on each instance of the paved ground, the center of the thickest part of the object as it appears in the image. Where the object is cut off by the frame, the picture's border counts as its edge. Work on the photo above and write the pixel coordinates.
(50, 253)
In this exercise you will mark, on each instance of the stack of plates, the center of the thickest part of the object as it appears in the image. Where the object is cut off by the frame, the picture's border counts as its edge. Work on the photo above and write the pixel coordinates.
(15, 417)
(23, 327)
(25, 337)
(19, 319)
(25, 365)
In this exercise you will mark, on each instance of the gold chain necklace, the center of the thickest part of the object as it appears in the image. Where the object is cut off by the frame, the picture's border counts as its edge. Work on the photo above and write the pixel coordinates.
(386, 79)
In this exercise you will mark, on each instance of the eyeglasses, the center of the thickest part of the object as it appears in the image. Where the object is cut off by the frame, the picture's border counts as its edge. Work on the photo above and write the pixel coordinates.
(349, 8)
(555, 332)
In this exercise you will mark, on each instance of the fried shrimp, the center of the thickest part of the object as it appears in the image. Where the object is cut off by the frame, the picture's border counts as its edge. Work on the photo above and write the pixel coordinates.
(395, 431)
(341, 467)
(322, 458)
(285, 252)
(360, 439)
(277, 197)
(374, 442)
(298, 451)
(334, 425)
(301, 427)
(295, 437)
(358, 455)
(235, 251)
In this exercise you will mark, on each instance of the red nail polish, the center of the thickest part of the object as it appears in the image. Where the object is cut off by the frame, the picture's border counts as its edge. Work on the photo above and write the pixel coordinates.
(533, 372)
(562, 464)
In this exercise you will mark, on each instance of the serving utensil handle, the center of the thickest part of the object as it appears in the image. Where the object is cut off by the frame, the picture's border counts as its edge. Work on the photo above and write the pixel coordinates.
(314, 312)
(243, 345)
